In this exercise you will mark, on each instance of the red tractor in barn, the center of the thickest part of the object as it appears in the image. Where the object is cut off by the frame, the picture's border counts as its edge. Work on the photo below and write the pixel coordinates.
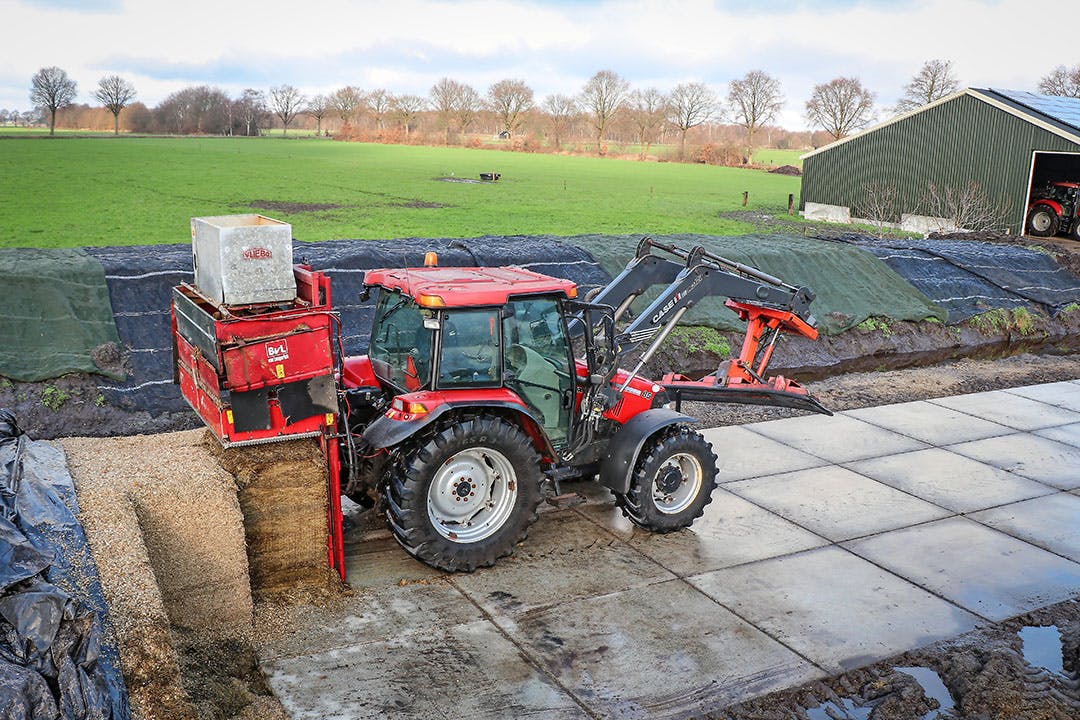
(482, 384)
(1055, 209)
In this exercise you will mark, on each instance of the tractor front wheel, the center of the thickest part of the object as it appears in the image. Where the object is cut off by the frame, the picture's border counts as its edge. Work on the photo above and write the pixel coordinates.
(462, 498)
(1042, 221)
(673, 481)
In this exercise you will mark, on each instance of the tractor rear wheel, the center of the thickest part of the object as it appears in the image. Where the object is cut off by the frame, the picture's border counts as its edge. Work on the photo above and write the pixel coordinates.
(464, 496)
(672, 482)
(1042, 221)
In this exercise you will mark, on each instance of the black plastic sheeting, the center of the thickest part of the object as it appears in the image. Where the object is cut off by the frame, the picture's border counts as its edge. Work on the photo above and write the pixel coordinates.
(140, 281)
(54, 662)
(969, 277)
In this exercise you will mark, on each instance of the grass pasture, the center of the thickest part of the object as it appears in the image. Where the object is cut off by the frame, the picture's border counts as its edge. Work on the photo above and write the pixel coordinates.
(773, 156)
(66, 192)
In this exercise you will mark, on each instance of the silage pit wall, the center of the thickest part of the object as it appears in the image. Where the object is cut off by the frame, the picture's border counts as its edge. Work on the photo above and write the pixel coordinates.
(851, 283)
(173, 531)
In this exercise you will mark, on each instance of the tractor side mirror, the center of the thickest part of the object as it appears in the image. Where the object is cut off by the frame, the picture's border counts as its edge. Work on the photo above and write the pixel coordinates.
(365, 294)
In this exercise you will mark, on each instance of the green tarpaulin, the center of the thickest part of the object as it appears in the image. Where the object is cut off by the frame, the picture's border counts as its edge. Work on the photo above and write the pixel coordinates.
(851, 284)
(54, 309)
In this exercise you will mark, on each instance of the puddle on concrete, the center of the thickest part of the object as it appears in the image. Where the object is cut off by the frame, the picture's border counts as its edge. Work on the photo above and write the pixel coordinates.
(1042, 648)
(846, 710)
(933, 688)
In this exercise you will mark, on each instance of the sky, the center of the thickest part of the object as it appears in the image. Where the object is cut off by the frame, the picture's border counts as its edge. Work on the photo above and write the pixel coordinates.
(405, 46)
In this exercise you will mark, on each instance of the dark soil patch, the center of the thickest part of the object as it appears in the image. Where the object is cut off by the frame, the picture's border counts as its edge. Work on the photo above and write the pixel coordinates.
(420, 204)
(292, 207)
(787, 170)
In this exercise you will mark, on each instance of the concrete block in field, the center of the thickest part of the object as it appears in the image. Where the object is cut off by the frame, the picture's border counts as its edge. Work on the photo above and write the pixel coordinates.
(743, 454)
(837, 439)
(828, 213)
(1006, 408)
(925, 224)
(1031, 456)
(1061, 394)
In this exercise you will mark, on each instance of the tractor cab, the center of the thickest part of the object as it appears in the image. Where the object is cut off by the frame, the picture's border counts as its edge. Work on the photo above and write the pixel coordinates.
(456, 331)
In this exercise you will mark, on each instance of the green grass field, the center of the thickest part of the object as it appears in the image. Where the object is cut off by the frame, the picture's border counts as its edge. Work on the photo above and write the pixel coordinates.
(68, 191)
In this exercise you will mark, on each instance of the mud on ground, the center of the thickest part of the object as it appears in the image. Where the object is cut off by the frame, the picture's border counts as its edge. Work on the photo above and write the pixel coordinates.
(985, 673)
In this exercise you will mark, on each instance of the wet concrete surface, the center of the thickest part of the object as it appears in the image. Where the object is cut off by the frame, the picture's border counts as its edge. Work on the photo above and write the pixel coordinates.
(832, 543)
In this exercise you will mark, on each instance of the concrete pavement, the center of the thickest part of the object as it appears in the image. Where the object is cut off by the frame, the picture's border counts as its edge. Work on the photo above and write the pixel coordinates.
(831, 543)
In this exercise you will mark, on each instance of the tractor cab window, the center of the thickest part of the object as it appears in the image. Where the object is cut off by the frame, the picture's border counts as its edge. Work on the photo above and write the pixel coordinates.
(538, 362)
(400, 349)
(470, 349)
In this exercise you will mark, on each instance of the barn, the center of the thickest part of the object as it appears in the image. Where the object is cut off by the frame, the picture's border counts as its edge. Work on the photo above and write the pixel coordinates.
(925, 168)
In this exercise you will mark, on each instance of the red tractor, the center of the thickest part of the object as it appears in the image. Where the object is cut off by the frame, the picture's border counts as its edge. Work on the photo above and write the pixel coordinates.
(1055, 209)
(483, 384)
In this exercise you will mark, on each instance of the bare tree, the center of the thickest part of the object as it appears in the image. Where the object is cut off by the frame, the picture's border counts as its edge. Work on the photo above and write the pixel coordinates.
(840, 106)
(510, 100)
(603, 96)
(251, 110)
(444, 98)
(286, 102)
(345, 102)
(879, 205)
(968, 207)
(51, 88)
(690, 105)
(379, 102)
(1062, 81)
(755, 99)
(646, 109)
(560, 110)
(317, 108)
(934, 81)
(467, 106)
(407, 107)
(114, 92)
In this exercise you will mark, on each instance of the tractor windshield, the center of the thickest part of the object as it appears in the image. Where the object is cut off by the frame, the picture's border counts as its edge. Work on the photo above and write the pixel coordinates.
(400, 349)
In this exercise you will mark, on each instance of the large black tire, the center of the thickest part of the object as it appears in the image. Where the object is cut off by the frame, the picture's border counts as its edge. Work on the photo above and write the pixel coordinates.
(463, 497)
(1042, 221)
(1075, 232)
(672, 482)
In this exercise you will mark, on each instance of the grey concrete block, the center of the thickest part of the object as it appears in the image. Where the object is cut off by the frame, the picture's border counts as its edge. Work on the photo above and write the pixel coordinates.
(837, 503)
(1030, 456)
(1061, 394)
(929, 423)
(1068, 434)
(837, 439)
(744, 454)
(461, 671)
(665, 651)
(732, 531)
(985, 571)
(1009, 409)
(1051, 522)
(952, 481)
(565, 557)
(835, 608)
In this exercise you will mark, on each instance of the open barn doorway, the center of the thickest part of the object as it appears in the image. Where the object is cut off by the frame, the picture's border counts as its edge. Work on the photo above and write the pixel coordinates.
(1053, 201)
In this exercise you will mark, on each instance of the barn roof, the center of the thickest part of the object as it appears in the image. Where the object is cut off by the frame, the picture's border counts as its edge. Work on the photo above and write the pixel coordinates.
(1058, 115)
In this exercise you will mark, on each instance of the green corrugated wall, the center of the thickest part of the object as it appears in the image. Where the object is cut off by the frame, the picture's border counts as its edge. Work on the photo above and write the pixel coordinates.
(960, 140)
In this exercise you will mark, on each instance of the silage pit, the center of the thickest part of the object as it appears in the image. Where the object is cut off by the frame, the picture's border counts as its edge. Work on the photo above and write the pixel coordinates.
(184, 548)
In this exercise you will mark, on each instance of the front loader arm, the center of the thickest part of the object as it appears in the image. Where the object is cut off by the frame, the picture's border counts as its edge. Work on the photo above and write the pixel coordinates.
(768, 305)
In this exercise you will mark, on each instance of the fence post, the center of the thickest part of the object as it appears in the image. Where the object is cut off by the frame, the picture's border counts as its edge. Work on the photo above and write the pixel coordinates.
(791, 204)
(745, 197)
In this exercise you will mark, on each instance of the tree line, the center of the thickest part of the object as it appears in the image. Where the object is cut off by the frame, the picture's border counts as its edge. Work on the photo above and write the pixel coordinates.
(607, 108)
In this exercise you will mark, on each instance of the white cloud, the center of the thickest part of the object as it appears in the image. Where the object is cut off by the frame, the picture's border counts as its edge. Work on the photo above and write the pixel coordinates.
(405, 45)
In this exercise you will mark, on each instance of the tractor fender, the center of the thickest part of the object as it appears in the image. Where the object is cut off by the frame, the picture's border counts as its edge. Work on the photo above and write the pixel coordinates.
(626, 444)
(386, 432)
(1052, 204)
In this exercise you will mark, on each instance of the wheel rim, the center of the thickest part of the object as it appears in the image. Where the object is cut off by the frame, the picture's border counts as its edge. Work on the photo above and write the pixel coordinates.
(1040, 221)
(472, 495)
(669, 498)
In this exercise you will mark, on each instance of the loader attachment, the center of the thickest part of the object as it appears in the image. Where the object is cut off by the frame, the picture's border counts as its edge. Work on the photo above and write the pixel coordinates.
(778, 392)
